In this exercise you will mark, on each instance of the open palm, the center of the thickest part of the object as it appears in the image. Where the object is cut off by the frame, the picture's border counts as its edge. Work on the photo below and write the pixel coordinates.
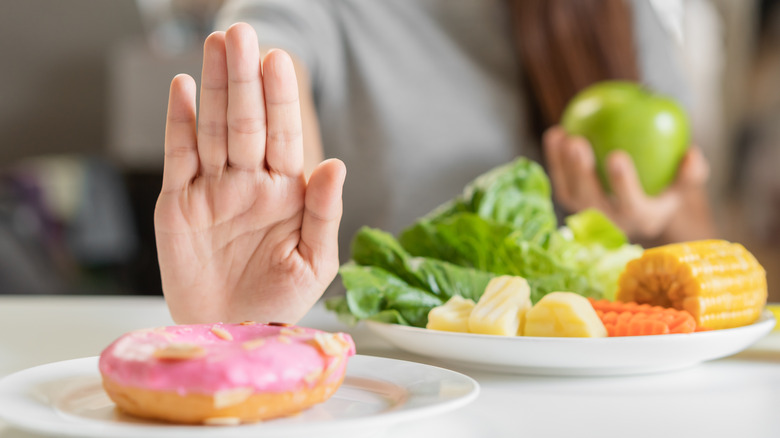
(240, 232)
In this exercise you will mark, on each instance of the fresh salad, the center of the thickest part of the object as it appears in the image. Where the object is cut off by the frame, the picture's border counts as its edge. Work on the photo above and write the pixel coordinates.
(502, 224)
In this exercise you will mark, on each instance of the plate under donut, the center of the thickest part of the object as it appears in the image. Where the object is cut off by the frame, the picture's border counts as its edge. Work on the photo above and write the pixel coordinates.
(67, 399)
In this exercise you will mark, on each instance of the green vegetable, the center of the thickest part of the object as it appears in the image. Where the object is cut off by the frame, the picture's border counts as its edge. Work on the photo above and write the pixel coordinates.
(372, 291)
(386, 283)
(372, 247)
(591, 227)
(516, 194)
(463, 239)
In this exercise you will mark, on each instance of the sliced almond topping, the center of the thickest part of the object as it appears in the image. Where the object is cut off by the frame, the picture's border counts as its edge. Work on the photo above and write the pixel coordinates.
(222, 421)
(221, 333)
(279, 324)
(248, 323)
(331, 344)
(312, 376)
(230, 397)
(179, 351)
(297, 331)
(284, 340)
(254, 343)
(332, 367)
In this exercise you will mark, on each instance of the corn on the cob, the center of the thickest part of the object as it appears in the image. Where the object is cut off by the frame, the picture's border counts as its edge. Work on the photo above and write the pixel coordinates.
(564, 314)
(719, 283)
(502, 307)
(452, 316)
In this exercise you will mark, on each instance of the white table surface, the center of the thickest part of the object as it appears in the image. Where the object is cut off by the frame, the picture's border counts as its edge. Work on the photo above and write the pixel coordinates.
(733, 397)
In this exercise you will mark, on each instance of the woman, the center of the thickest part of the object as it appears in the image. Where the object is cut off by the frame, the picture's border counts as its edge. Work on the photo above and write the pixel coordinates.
(417, 98)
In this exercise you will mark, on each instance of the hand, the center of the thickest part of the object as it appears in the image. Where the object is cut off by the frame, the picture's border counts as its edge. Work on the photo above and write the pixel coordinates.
(576, 186)
(240, 233)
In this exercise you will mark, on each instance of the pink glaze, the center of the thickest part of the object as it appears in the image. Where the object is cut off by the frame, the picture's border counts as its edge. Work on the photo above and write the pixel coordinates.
(281, 364)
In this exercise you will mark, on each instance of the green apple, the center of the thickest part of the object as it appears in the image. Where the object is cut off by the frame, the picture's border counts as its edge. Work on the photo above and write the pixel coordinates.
(651, 128)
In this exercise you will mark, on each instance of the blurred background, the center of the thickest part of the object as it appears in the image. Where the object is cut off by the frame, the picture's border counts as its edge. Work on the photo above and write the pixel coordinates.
(83, 94)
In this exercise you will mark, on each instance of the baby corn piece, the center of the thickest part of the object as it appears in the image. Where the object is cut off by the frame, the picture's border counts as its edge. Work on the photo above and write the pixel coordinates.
(719, 283)
(564, 314)
(452, 316)
(501, 309)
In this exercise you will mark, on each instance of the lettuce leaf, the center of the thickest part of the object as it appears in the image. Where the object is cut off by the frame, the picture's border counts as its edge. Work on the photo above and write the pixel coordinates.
(516, 194)
(463, 238)
(372, 291)
(592, 227)
(384, 282)
(372, 247)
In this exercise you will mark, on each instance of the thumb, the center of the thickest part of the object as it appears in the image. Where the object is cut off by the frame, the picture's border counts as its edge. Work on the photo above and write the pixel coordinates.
(321, 218)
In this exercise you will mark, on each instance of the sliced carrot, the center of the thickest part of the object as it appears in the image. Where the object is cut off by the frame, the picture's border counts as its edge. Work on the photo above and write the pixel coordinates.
(633, 319)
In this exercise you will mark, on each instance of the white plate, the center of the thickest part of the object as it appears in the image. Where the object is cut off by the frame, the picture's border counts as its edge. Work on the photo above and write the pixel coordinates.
(66, 398)
(574, 356)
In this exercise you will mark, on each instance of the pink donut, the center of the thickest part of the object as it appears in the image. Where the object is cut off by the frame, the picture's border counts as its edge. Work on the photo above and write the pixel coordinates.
(223, 373)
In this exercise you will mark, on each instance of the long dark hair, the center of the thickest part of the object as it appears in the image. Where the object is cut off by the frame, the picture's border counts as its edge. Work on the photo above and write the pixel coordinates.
(566, 45)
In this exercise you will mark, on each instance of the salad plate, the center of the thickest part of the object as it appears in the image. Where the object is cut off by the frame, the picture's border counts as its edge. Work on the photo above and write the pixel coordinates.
(574, 356)
(67, 399)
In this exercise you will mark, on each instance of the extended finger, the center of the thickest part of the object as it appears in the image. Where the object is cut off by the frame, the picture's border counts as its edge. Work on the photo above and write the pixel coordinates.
(284, 144)
(181, 153)
(584, 186)
(694, 169)
(553, 145)
(628, 191)
(321, 217)
(212, 122)
(245, 112)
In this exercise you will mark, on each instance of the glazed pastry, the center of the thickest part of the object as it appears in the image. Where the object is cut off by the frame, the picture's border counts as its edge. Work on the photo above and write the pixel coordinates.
(222, 374)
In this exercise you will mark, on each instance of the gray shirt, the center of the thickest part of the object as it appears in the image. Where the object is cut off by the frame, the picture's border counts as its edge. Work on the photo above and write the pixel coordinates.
(418, 97)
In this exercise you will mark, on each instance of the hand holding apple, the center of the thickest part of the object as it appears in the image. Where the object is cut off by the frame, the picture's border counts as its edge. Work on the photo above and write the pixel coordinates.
(576, 186)
(620, 115)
